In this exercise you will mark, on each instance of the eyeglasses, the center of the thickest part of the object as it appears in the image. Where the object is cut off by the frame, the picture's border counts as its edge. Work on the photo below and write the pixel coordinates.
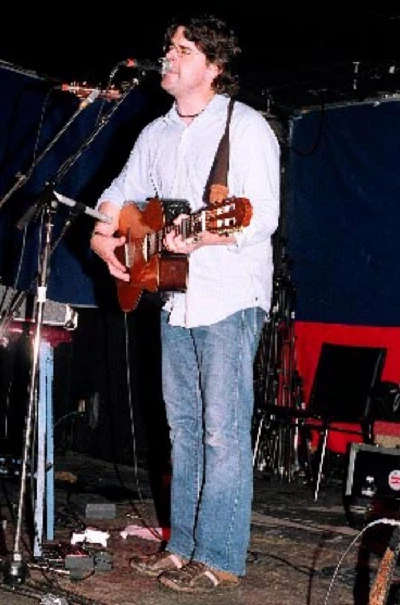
(181, 51)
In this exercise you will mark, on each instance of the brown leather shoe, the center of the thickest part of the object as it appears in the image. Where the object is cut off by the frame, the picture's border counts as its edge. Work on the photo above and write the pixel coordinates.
(153, 565)
(195, 577)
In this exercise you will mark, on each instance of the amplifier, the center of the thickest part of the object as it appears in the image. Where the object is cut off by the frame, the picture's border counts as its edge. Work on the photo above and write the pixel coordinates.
(21, 305)
(373, 470)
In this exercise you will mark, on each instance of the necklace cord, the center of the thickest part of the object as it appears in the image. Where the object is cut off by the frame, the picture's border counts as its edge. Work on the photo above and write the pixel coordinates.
(193, 115)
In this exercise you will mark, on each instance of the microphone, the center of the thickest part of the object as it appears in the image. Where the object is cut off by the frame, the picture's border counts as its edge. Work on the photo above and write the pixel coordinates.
(104, 218)
(90, 94)
(161, 65)
(90, 98)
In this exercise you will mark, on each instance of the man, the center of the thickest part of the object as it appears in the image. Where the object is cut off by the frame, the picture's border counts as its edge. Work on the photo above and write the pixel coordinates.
(210, 333)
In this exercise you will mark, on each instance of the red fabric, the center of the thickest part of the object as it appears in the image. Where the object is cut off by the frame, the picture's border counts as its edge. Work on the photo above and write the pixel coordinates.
(340, 435)
(309, 337)
(382, 427)
(51, 334)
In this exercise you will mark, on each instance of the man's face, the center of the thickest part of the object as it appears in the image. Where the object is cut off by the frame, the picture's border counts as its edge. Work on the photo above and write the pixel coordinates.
(189, 71)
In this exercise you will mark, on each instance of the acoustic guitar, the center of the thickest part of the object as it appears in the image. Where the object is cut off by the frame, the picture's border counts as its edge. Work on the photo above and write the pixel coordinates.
(151, 267)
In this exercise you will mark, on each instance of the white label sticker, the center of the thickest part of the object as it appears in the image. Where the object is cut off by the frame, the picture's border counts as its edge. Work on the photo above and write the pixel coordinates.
(394, 480)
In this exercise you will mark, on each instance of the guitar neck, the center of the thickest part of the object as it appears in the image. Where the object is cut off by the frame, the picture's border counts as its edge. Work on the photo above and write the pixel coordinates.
(189, 226)
(154, 242)
(224, 219)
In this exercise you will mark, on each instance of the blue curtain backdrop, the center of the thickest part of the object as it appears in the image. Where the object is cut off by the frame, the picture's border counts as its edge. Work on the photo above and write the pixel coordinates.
(96, 359)
(343, 213)
(32, 115)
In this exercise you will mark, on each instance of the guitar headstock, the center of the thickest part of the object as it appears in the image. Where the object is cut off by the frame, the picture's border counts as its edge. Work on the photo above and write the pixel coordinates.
(228, 216)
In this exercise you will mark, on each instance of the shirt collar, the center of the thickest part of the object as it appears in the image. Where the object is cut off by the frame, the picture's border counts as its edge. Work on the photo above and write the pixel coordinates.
(218, 103)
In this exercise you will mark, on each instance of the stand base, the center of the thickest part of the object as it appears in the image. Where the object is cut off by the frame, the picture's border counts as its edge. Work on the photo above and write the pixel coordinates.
(15, 571)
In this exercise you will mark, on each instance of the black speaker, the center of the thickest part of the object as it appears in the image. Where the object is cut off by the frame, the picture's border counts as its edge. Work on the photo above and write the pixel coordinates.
(373, 468)
(173, 207)
(372, 487)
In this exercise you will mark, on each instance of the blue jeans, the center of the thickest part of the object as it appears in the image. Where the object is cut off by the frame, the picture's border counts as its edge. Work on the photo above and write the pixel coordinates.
(209, 396)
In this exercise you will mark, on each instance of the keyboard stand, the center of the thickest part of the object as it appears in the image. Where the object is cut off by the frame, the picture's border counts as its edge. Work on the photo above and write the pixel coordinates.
(44, 508)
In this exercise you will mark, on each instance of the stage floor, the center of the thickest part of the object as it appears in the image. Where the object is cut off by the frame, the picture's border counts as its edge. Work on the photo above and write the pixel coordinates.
(302, 552)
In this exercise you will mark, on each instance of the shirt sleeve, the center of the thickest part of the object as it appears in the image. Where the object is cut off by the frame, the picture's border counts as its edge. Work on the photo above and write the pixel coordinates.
(255, 174)
(132, 183)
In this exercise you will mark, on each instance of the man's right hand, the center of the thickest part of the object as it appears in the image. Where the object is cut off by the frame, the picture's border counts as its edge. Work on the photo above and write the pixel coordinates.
(103, 242)
(104, 246)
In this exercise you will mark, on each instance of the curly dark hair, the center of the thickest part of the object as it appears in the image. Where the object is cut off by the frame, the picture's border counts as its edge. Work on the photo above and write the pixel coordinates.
(217, 41)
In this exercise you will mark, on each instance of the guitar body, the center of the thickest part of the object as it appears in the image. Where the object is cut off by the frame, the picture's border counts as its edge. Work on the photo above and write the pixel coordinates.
(172, 272)
(135, 223)
(149, 268)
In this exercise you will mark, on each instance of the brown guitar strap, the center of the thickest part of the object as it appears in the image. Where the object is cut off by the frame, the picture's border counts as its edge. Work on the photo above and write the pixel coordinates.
(217, 184)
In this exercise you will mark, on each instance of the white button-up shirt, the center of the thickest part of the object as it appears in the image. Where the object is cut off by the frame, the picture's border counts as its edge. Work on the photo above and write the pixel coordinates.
(173, 160)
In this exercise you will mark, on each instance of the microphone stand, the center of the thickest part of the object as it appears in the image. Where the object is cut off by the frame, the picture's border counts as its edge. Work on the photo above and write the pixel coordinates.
(69, 162)
(19, 297)
(46, 196)
(15, 570)
(23, 178)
